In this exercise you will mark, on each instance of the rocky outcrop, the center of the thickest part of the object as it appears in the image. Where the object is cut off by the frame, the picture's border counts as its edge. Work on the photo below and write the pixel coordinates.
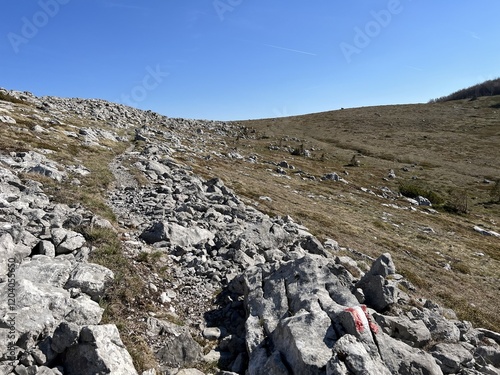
(51, 314)
(178, 348)
(291, 307)
(99, 350)
(305, 316)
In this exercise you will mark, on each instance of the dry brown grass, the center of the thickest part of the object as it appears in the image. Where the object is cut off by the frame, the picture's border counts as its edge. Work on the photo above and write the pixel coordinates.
(449, 147)
(126, 300)
(66, 150)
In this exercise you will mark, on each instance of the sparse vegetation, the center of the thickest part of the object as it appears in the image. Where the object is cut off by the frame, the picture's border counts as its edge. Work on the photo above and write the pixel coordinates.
(460, 140)
(136, 173)
(9, 98)
(127, 291)
(153, 257)
(495, 192)
(465, 310)
(415, 279)
(92, 189)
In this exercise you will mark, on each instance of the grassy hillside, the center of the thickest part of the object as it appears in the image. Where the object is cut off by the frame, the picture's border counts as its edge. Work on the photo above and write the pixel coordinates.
(449, 151)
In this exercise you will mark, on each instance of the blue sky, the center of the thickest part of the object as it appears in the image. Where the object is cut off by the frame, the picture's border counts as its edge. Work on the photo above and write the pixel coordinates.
(240, 59)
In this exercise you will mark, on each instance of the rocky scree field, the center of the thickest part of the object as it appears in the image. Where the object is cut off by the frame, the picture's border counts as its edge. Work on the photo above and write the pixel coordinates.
(147, 244)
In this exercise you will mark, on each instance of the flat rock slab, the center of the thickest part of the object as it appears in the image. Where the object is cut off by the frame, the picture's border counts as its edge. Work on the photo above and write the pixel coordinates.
(91, 279)
(46, 270)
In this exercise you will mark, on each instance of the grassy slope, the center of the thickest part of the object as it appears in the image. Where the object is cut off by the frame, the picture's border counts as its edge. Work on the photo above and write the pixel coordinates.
(450, 147)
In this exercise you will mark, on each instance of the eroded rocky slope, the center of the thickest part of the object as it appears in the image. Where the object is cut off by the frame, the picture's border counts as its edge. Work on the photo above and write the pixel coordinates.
(239, 292)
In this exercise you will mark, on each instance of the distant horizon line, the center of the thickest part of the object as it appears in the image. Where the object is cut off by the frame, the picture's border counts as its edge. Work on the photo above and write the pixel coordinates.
(218, 119)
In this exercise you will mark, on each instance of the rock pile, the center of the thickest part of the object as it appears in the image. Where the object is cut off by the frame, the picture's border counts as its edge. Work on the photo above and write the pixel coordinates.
(49, 322)
(289, 306)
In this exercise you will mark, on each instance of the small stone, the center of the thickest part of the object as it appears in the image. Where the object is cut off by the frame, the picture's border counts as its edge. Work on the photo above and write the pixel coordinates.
(153, 287)
(280, 170)
(212, 333)
(164, 298)
(7, 120)
(422, 201)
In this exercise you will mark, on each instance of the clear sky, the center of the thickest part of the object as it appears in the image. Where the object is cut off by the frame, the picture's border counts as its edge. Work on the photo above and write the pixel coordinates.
(240, 59)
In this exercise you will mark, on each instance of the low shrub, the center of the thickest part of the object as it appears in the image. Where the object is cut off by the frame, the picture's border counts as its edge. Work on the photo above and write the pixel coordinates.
(457, 202)
(495, 192)
(413, 190)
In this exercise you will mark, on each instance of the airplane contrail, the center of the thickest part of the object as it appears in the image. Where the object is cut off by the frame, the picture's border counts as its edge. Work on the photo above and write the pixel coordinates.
(415, 68)
(291, 50)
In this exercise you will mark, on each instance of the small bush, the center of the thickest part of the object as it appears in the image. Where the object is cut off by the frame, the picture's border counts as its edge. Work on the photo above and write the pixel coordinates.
(462, 268)
(300, 151)
(495, 192)
(457, 202)
(412, 190)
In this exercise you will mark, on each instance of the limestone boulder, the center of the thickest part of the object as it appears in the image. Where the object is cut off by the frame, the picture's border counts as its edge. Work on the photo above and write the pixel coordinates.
(91, 279)
(100, 350)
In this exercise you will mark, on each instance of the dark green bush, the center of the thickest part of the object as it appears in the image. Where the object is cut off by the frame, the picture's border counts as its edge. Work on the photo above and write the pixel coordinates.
(495, 192)
(457, 201)
(413, 190)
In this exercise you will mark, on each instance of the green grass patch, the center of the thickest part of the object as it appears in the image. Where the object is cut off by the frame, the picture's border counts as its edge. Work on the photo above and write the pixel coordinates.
(127, 290)
(152, 258)
(415, 279)
(467, 311)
